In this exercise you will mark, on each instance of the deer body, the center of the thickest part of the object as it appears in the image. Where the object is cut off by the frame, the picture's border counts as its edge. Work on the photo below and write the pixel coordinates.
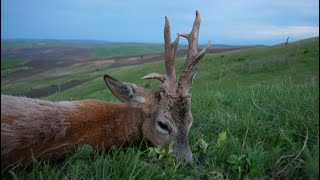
(53, 129)
(161, 116)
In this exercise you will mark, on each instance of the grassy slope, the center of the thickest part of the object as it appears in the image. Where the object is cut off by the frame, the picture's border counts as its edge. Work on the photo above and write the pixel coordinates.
(125, 49)
(9, 67)
(101, 49)
(54, 77)
(11, 63)
(266, 100)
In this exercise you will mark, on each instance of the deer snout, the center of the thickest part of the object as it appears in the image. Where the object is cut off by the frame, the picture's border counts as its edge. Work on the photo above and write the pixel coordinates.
(183, 152)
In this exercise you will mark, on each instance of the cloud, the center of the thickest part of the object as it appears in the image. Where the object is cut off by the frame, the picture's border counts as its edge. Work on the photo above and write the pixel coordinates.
(229, 21)
(254, 34)
(300, 31)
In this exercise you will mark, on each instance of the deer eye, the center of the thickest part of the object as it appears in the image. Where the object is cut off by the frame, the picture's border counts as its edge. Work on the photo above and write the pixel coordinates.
(164, 126)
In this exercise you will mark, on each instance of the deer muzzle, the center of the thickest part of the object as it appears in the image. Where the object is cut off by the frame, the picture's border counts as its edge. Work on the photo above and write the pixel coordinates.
(183, 151)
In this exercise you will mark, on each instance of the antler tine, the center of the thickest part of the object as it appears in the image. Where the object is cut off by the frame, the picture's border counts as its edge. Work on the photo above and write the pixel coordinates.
(170, 52)
(192, 38)
(193, 56)
(195, 60)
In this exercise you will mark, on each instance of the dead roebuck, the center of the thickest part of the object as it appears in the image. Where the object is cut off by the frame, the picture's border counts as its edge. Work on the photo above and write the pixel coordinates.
(52, 129)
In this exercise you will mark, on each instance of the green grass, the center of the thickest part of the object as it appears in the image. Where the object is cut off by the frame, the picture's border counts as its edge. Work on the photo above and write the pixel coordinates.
(8, 72)
(100, 49)
(54, 77)
(126, 49)
(265, 100)
(11, 66)
(5, 64)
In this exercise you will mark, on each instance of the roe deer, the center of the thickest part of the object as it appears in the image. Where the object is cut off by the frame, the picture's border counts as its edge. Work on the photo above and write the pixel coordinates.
(51, 129)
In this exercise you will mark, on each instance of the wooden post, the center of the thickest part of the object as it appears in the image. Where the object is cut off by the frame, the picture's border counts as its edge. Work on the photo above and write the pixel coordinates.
(287, 40)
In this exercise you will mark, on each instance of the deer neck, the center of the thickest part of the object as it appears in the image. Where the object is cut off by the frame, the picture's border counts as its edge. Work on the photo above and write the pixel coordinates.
(105, 124)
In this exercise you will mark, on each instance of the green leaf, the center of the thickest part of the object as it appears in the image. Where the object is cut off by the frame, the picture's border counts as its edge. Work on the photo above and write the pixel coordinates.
(203, 145)
(171, 159)
(161, 156)
(233, 159)
(157, 150)
(151, 152)
(222, 139)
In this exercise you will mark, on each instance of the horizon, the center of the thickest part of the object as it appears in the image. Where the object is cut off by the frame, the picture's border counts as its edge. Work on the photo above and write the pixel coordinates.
(128, 42)
(155, 43)
(246, 22)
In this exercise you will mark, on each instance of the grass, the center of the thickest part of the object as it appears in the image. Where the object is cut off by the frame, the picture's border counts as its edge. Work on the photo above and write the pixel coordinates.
(11, 66)
(54, 77)
(10, 63)
(8, 72)
(125, 49)
(100, 49)
(256, 109)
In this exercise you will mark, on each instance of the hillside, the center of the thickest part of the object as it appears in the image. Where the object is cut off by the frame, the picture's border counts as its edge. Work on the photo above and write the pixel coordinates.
(257, 109)
(27, 66)
(12, 48)
(297, 63)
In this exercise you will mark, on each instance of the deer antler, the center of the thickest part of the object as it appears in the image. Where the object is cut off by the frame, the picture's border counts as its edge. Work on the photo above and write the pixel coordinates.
(158, 76)
(170, 56)
(170, 52)
(193, 56)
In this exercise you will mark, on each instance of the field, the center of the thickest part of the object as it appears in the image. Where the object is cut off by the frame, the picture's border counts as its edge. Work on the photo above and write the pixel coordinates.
(255, 111)
(37, 68)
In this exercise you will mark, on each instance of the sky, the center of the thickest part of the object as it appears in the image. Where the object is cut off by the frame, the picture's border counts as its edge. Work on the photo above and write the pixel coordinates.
(234, 22)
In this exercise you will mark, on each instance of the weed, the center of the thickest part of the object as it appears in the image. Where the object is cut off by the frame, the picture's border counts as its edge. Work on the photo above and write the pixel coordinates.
(162, 153)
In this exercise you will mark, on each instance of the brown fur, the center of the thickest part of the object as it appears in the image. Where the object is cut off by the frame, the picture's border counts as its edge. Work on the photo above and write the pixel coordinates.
(50, 130)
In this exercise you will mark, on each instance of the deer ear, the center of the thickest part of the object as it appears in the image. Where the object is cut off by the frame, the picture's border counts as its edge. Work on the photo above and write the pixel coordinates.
(125, 92)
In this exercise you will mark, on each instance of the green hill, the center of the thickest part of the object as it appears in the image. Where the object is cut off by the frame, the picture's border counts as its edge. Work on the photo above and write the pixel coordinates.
(97, 49)
(296, 63)
(257, 109)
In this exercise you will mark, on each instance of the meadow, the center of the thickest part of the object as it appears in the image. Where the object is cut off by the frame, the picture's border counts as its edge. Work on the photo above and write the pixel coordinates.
(99, 49)
(255, 111)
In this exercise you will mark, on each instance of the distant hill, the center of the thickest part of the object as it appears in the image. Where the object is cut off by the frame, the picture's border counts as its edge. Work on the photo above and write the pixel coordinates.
(41, 43)
(47, 49)
(32, 49)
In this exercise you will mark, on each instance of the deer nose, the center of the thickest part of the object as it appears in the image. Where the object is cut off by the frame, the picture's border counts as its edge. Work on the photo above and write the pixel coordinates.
(188, 159)
(184, 153)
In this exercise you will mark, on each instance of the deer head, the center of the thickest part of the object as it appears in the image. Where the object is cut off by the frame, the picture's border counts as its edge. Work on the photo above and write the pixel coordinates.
(167, 109)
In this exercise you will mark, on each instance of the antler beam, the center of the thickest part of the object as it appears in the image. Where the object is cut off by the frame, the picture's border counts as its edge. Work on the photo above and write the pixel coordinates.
(170, 53)
(193, 56)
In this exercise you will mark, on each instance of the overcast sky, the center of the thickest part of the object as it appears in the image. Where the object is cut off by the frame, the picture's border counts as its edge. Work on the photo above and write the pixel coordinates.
(223, 22)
